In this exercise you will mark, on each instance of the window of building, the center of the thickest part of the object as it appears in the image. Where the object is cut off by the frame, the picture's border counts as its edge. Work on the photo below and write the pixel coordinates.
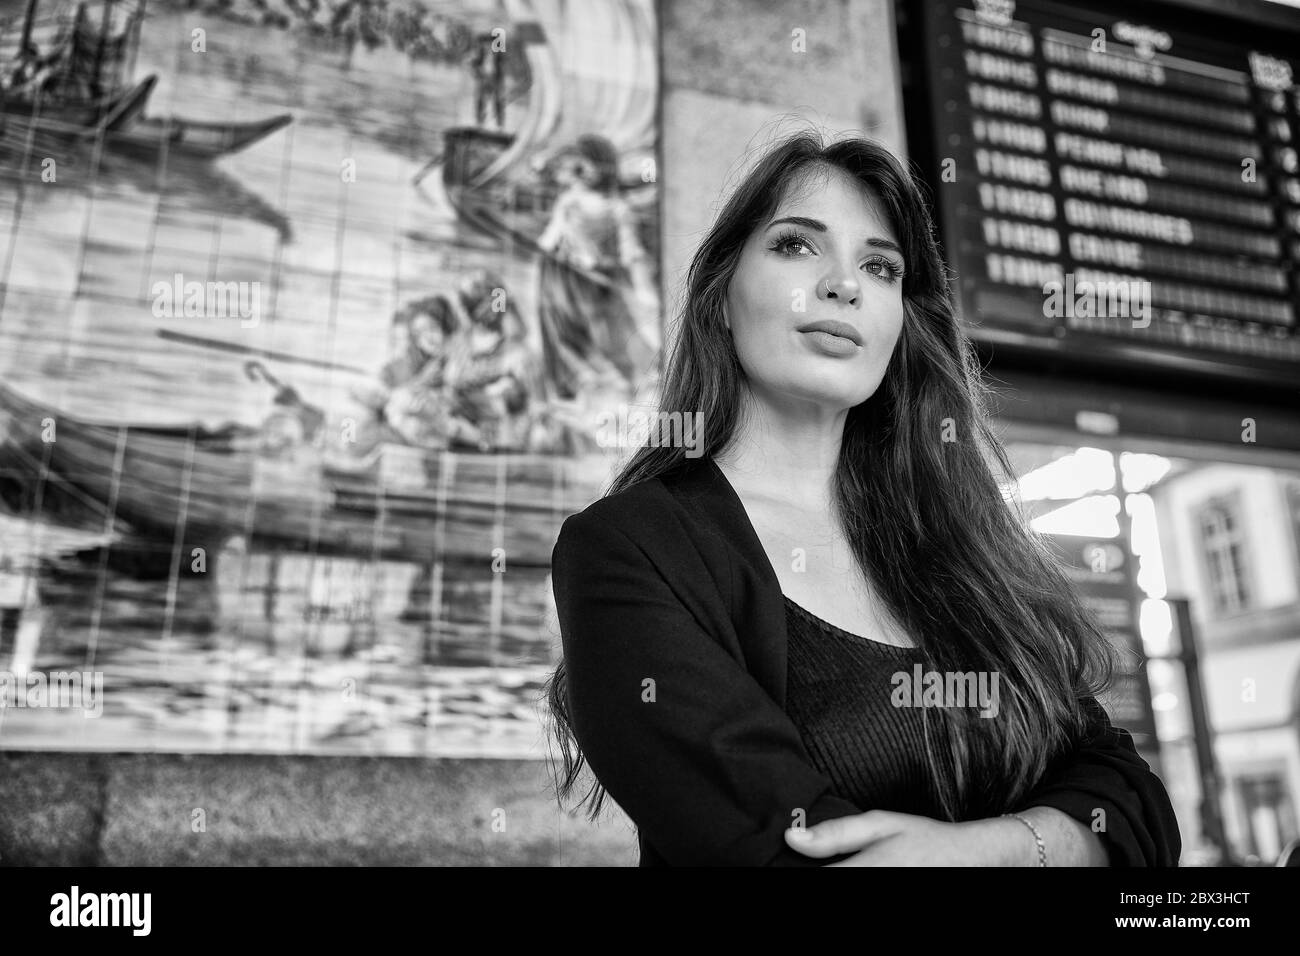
(1223, 544)
(1293, 509)
(1270, 821)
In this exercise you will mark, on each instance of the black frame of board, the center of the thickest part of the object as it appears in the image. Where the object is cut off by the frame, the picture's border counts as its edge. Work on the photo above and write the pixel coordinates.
(1159, 374)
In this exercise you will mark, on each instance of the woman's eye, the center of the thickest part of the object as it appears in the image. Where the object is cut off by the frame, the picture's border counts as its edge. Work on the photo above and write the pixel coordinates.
(784, 245)
(884, 269)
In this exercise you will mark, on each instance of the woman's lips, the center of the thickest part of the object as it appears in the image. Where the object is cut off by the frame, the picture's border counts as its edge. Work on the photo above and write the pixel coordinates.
(830, 344)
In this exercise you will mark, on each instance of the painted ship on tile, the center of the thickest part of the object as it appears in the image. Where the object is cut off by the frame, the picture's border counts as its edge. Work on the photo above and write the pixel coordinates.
(414, 485)
(65, 74)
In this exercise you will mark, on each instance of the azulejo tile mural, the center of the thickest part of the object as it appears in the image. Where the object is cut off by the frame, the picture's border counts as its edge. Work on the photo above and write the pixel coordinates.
(309, 310)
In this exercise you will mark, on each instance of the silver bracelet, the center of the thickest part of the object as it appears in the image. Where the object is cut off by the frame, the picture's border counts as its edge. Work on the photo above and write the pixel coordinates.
(1042, 848)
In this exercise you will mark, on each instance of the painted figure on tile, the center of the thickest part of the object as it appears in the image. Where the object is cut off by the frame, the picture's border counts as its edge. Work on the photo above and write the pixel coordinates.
(492, 374)
(418, 403)
(593, 259)
(487, 64)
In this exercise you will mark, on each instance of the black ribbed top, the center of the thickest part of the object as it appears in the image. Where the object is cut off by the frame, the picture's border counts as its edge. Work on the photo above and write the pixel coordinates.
(838, 689)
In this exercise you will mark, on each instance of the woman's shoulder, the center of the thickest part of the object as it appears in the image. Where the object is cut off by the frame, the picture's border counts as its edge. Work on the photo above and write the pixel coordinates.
(647, 511)
(632, 508)
(670, 527)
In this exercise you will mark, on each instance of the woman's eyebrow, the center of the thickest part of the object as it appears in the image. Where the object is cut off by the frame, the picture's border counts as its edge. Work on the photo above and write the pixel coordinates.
(817, 225)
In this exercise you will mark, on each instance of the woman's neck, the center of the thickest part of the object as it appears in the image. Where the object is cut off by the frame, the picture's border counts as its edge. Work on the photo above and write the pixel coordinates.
(793, 468)
(785, 448)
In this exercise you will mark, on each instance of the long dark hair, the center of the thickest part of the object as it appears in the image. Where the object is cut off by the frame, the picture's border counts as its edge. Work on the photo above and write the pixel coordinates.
(925, 517)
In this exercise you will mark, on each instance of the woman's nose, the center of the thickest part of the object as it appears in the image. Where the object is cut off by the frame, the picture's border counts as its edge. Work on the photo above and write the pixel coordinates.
(843, 289)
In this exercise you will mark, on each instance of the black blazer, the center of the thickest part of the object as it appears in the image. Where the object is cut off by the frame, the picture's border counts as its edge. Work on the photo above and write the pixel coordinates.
(673, 628)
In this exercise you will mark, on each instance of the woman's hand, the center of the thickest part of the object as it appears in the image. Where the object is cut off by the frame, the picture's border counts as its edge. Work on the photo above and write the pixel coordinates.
(886, 838)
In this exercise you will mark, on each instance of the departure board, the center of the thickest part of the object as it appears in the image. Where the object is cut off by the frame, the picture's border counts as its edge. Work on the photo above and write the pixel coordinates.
(1118, 185)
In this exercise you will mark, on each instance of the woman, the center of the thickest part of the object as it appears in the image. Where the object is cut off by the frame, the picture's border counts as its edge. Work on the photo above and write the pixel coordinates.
(491, 375)
(421, 332)
(736, 626)
(416, 408)
(594, 257)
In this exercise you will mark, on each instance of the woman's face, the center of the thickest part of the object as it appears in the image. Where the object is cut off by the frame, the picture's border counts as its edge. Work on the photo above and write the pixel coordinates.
(427, 334)
(585, 171)
(576, 169)
(484, 338)
(839, 261)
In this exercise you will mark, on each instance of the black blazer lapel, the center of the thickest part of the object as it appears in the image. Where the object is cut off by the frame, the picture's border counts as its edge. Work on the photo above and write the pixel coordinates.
(757, 607)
